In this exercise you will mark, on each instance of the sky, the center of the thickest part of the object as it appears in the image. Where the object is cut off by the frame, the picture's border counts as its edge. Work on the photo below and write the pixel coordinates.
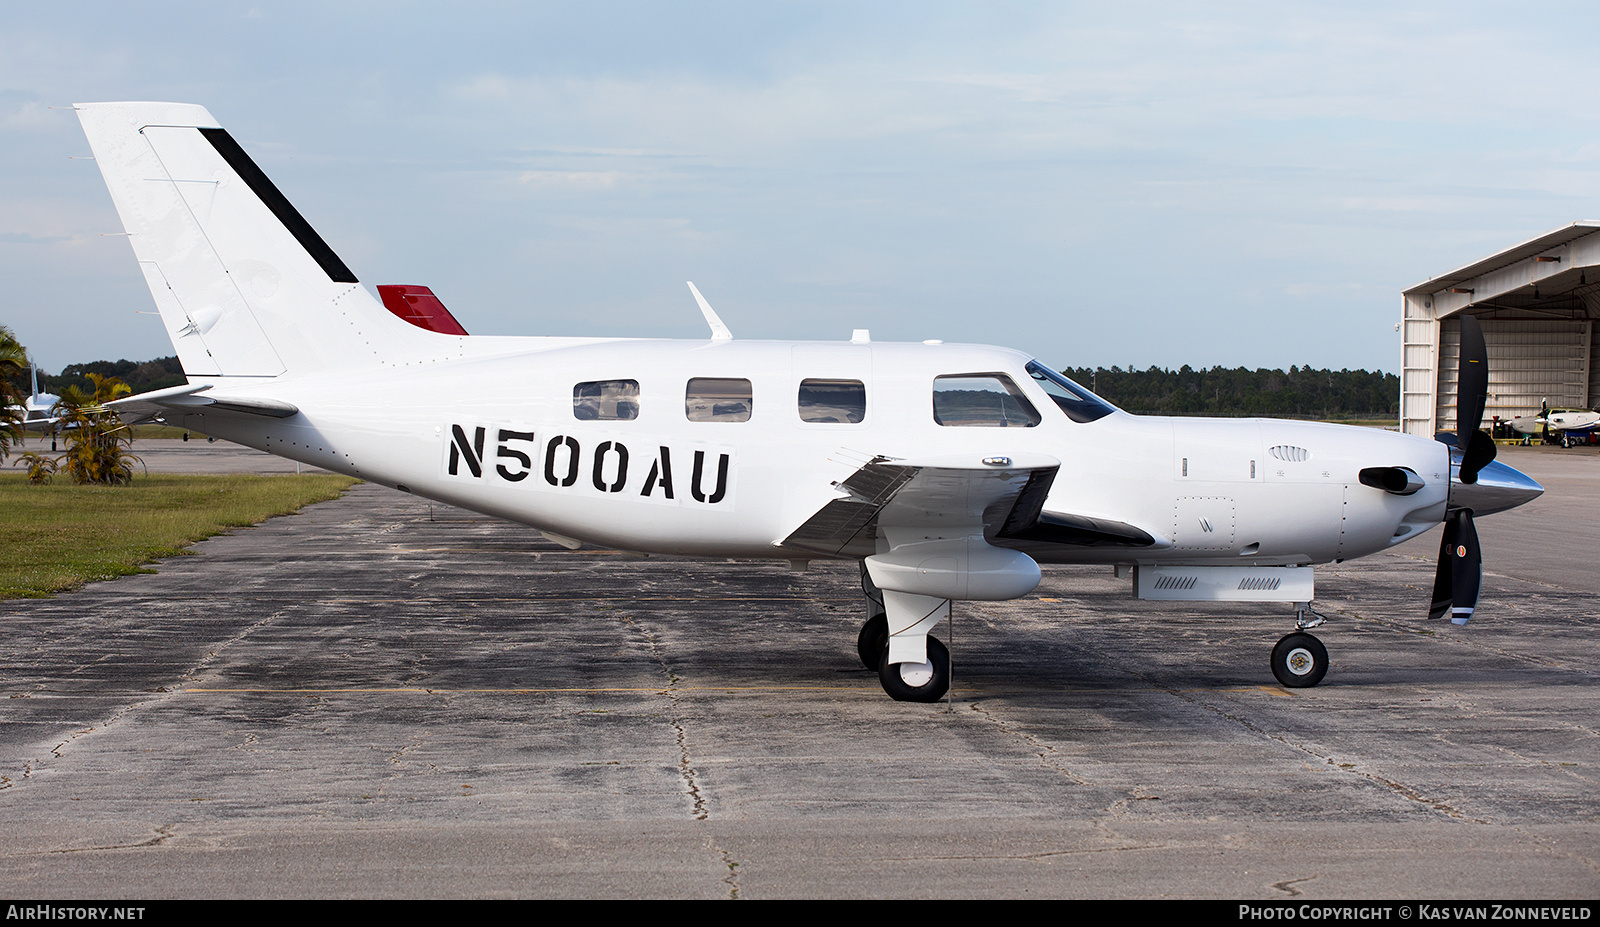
(1129, 184)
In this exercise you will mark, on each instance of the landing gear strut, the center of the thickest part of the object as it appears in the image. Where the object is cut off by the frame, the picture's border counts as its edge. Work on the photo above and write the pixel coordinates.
(1299, 660)
(925, 680)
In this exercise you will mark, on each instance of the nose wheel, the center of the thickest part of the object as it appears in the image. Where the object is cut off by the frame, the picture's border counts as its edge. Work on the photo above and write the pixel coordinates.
(1299, 660)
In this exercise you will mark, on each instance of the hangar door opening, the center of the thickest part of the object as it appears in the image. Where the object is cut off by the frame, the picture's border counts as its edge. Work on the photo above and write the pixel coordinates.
(1537, 302)
(1530, 362)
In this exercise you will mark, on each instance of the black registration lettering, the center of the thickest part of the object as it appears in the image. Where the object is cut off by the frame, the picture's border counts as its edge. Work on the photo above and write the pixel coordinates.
(556, 443)
(610, 447)
(722, 478)
(459, 448)
(660, 475)
(524, 462)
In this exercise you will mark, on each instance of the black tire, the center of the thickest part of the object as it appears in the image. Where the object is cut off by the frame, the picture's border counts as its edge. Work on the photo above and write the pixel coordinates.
(1299, 660)
(917, 682)
(873, 641)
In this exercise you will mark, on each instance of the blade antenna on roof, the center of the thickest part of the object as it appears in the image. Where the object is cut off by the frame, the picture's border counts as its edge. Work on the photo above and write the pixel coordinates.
(719, 331)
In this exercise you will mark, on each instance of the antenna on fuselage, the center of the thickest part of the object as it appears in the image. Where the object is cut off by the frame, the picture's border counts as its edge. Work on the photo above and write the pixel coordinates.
(719, 331)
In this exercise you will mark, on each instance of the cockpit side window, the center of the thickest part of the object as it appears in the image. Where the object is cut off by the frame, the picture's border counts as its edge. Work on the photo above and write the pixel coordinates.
(982, 400)
(1079, 404)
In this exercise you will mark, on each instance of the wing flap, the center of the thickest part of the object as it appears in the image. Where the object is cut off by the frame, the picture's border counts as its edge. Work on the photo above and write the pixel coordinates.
(944, 497)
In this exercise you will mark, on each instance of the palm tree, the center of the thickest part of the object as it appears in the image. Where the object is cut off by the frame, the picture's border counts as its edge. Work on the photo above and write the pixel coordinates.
(97, 439)
(13, 360)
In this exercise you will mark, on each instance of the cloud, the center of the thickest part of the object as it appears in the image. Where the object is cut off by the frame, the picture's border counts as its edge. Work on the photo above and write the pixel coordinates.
(584, 180)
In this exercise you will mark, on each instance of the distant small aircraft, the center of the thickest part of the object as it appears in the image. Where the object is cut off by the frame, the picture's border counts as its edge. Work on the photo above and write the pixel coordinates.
(39, 409)
(1559, 424)
(949, 472)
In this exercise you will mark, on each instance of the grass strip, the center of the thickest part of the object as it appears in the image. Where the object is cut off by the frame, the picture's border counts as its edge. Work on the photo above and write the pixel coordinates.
(62, 535)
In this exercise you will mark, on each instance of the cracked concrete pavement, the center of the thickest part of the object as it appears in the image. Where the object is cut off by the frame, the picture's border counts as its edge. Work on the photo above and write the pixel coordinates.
(380, 697)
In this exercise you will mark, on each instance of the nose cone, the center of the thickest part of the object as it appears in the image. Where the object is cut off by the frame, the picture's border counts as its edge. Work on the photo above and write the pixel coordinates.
(1498, 488)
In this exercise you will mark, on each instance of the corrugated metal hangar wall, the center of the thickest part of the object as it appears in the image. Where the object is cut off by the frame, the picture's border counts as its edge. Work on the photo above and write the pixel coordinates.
(1537, 307)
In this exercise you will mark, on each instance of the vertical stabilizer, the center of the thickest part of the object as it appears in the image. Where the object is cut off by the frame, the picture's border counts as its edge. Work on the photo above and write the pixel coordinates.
(245, 286)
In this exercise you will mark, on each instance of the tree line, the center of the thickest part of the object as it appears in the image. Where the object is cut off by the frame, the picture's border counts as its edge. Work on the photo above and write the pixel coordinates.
(1299, 392)
(141, 376)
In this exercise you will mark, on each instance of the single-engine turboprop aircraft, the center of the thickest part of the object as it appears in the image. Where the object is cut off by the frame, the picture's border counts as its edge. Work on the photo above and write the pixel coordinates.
(950, 472)
(1564, 424)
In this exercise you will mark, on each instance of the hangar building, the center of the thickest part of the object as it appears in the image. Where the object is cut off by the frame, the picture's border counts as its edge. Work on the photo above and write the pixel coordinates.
(1537, 307)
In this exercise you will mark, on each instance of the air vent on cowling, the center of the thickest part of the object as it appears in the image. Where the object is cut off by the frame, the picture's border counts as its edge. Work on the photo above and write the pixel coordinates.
(1176, 582)
(1258, 584)
(1290, 452)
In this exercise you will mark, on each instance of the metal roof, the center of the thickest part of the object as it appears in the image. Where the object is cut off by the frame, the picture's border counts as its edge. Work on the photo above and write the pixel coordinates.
(1511, 255)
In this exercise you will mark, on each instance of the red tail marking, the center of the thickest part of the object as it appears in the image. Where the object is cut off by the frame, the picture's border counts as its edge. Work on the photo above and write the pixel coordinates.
(418, 305)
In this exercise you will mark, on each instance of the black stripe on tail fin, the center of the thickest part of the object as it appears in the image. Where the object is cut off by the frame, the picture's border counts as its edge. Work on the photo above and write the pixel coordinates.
(279, 204)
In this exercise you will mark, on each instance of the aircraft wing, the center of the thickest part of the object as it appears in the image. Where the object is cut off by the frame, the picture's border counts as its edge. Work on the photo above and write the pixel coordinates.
(952, 496)
(187, 398)
(961, 495)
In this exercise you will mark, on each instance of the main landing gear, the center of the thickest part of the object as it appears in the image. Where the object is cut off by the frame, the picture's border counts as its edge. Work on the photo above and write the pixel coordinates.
(925, 681)
(873, 641)
(1299, 660)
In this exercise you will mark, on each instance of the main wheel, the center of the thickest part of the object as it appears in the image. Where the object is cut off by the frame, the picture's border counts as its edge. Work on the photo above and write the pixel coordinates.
(873, 641)
(917, 682)
(1299, 660)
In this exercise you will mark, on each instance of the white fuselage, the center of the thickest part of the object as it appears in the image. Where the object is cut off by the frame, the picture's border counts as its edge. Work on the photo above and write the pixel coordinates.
(1219, 491)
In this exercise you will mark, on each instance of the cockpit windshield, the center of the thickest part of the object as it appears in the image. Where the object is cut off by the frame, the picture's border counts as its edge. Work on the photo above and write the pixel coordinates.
(1079, 404)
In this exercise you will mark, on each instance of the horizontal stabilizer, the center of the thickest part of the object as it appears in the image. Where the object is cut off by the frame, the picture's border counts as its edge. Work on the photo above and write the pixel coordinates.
(146, 406)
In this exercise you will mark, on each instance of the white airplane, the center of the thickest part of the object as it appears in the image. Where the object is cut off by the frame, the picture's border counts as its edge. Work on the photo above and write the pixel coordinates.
(949, 471)
(39, 409)
(1564, 422)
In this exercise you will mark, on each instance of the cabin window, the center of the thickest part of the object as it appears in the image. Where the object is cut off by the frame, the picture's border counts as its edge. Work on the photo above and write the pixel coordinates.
(717, 399)
(984, 400)
(606, 401)
(839, 402)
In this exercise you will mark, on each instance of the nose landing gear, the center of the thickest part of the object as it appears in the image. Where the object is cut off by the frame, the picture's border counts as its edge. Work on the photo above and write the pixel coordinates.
(1299, 660)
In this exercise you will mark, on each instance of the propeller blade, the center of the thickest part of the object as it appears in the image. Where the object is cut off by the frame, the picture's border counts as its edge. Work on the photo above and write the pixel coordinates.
(1443, 577)
(1467, 570)
(1480, 453)
(1460, 572)
(1472, 392)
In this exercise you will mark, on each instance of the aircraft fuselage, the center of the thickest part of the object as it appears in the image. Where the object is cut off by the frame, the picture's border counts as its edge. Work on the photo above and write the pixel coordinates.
(501, 435)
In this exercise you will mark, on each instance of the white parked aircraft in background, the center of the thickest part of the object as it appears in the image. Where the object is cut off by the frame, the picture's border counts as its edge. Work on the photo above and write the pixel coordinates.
(949, 471)
(39, 409)
(1565, 423)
